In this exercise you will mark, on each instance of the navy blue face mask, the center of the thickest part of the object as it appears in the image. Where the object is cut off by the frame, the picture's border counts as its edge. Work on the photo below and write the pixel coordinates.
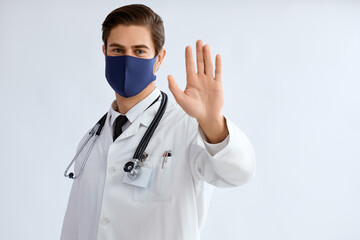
(128, 75)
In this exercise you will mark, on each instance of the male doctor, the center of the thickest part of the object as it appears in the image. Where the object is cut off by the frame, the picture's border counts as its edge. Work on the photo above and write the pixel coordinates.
(206, 149)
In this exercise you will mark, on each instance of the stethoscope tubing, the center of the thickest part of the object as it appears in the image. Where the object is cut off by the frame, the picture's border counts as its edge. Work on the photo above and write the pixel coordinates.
(96, 130)
(149, 132)
(91, 133)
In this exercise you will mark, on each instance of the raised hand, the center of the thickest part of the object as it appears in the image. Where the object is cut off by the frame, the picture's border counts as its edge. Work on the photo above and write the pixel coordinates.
(203, 97)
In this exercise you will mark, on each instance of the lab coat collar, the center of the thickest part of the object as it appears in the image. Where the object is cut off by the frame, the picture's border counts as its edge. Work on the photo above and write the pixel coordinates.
(136, 110)
(144, 117)
(148, 115)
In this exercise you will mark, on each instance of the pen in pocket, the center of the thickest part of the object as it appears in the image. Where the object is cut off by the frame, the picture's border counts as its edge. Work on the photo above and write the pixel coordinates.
(165, 156)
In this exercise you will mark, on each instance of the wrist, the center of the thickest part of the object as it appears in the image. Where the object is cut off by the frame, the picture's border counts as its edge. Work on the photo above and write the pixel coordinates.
(215, 129)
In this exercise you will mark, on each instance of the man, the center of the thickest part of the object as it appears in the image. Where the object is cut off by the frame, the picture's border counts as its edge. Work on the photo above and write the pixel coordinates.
(193, 148)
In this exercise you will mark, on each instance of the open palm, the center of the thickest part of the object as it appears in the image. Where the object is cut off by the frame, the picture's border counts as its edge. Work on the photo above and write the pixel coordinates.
(203, 96)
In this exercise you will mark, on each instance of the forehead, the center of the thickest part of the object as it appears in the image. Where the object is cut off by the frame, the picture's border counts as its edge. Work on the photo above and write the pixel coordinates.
(130, 35)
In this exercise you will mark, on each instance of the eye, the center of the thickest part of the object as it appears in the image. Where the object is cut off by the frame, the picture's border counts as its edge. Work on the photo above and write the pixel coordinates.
(117, 50)
(139, 51)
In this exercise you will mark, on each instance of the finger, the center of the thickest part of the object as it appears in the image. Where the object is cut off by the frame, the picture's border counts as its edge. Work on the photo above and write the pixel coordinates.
(189, 61)
(207, 60)
(199, 57)
(218, 67)
(175, 90)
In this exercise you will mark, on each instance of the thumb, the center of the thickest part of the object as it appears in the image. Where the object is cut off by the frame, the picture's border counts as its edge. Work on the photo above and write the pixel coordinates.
(175, 90)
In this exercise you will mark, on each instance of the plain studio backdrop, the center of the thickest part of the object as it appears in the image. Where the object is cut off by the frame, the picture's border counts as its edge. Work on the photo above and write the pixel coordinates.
(291, 72)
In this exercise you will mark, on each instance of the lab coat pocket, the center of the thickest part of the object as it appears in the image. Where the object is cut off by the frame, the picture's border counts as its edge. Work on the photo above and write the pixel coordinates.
(160, 185)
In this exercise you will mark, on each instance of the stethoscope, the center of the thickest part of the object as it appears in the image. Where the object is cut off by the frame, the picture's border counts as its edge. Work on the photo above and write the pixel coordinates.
(133, 168)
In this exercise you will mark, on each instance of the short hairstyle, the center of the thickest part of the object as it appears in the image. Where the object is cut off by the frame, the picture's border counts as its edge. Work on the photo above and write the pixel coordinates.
(136, 14)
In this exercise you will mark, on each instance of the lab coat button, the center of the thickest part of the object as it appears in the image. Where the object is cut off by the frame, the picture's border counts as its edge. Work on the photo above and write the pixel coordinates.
(105, 221)
(111, 170)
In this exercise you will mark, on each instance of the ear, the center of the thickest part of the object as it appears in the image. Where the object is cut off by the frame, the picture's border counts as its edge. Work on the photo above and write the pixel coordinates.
(159, 60)
(103, 49)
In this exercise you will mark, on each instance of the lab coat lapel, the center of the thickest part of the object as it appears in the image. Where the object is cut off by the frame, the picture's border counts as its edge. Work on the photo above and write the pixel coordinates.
(145, 119)
(149, 115)
(130, 131)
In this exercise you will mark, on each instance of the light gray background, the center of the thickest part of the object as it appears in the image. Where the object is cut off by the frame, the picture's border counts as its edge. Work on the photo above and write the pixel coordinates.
(291, 80)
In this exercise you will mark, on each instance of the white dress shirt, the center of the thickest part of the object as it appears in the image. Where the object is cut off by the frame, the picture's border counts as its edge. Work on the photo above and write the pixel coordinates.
(175, 203)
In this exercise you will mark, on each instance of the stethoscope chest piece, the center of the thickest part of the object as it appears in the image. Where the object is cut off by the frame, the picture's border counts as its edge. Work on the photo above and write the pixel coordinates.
(133, 169)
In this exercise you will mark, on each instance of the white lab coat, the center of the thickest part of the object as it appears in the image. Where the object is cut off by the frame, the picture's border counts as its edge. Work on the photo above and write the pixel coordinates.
(174, 205)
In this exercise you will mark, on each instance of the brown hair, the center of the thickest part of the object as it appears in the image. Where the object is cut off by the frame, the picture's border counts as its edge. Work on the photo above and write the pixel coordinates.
(136, 14)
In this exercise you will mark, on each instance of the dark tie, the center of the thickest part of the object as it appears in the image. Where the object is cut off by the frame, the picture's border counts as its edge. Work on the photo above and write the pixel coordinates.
(119, 122)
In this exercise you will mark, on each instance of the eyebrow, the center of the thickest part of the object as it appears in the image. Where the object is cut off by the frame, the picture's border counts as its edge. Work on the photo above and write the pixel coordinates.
(135, 46)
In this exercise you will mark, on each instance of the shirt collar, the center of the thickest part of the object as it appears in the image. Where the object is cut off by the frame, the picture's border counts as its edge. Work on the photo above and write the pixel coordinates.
(136, 110)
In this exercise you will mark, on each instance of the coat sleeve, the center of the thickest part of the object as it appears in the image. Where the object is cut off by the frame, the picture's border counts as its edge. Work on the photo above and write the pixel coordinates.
(70, 225)
(232, 164)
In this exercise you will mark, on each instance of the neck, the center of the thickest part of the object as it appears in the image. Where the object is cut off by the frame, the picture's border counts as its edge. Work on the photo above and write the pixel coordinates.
(125, 104)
